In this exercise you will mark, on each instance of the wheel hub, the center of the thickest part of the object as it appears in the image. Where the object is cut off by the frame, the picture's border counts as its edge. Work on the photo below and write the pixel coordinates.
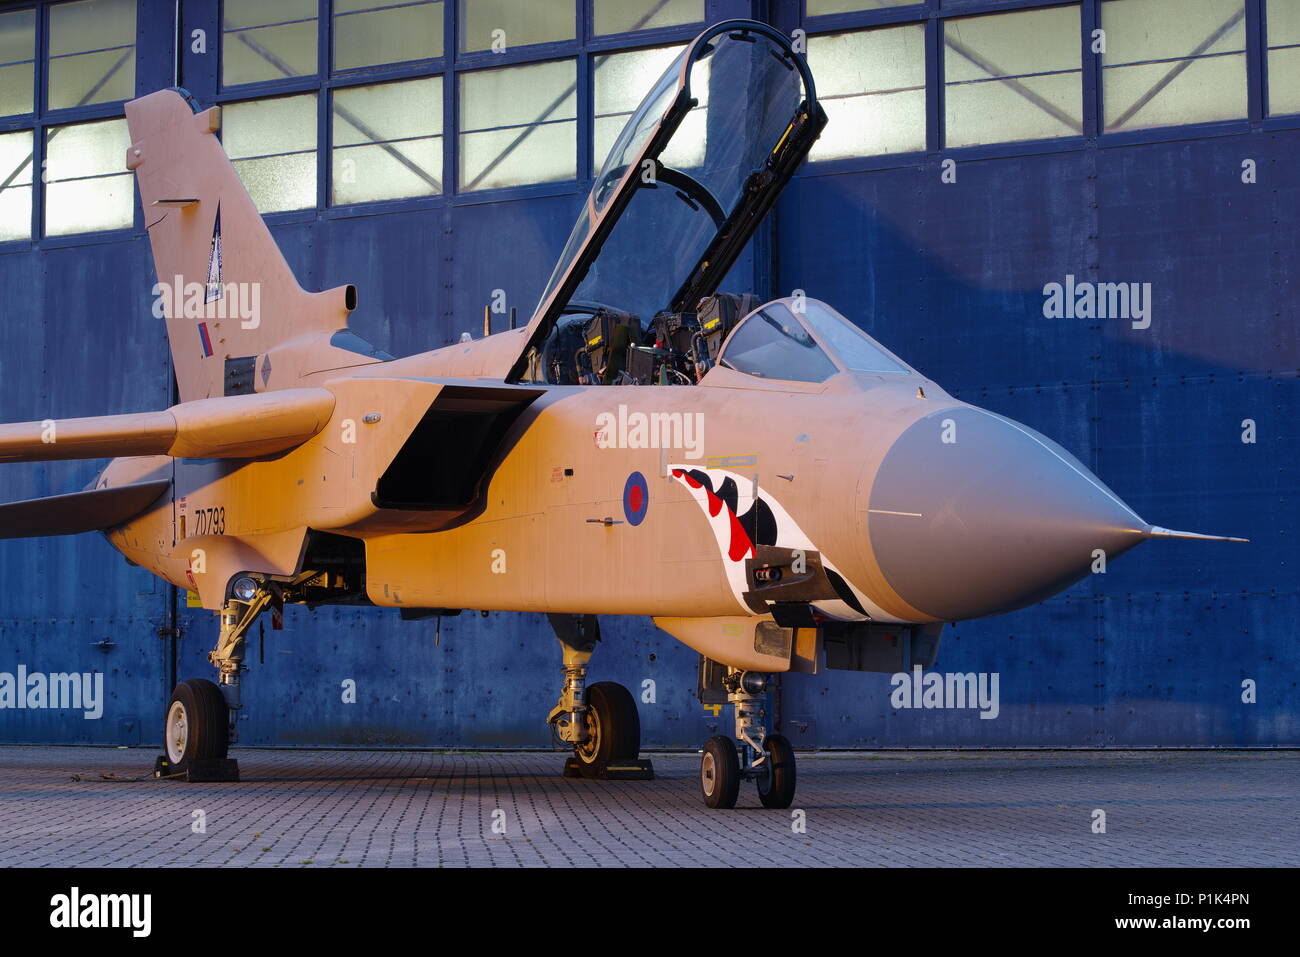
(708, 773)
(178, 732)
(588, 750)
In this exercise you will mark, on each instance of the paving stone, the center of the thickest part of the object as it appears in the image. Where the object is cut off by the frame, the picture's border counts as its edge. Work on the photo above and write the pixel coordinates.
(423, 808)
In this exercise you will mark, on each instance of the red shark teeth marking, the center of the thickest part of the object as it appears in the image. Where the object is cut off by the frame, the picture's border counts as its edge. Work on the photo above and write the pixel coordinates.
(741, 547)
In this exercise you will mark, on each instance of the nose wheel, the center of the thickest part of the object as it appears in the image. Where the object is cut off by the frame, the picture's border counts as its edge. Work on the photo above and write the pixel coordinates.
(721, 773)
(767, 759)
(776, 780)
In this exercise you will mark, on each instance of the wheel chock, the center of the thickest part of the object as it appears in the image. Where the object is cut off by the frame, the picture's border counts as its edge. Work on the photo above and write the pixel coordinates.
(636, 769)
(207, 770)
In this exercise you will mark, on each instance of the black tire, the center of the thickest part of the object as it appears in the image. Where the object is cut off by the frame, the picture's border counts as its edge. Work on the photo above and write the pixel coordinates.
(776, 785)
(720, 772)
(206, 731)
(614, 728)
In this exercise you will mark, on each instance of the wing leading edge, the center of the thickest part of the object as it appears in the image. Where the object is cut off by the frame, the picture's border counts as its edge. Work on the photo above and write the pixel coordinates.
(242, 426)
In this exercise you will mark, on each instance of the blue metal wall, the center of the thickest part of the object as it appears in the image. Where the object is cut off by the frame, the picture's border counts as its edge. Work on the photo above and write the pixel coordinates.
(950, 275)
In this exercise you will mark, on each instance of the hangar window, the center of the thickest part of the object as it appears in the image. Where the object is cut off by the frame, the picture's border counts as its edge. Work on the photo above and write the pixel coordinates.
(501, 25)
(817, 8)
(370, 32)
(1013, 76)
(628, 16)
(91, 52)
(16, 186)
(872, 85)
(272, 145)
(518, 125)
(17, 62)
(1283, 23)
(620, 81)
(1170, 61)
(387, 141)
(86, 186)
(267, 41)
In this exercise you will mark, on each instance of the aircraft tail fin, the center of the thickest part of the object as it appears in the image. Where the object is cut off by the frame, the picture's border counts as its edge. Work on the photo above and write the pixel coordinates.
(231, 303)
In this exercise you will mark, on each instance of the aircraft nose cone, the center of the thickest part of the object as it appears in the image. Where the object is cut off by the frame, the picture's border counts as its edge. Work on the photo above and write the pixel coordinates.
(971, 514)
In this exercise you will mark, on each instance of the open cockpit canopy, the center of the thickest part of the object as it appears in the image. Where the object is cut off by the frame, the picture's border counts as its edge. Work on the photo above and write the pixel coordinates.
(687, 181)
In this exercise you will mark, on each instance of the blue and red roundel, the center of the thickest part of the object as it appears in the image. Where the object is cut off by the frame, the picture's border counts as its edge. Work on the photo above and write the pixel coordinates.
(636, 498)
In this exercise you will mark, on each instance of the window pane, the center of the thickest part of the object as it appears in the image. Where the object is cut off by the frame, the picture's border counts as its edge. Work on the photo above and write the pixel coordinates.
(92, 52)
(624, 16)
(267, 41)
(272, 145)
(518, 125)
(387, 141)
(502, 24)
(1173, 61)
(853, 347)
(771, 344)
(1283, 19)
(367, 32)
(620, 81)
(1013, 76)
(872, 86)
(817, 8)
(17, 52)
(87, 187)
(15, 185)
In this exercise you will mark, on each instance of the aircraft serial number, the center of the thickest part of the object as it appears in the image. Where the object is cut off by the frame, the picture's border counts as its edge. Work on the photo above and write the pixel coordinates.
(210, 521)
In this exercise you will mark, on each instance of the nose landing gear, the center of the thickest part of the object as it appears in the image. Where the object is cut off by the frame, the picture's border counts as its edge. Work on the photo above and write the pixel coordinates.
(766, 759)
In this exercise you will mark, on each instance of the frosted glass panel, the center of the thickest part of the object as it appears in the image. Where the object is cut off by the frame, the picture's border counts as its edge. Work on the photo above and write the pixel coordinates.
(387, 141)
(1013, 76)
(817, 8)
(369, 32)
(267, 41)
(1173, 61)
(518, 125)
(91, 52)
(1283, 26)
(620, 81)
(15, 185)
(872, 85)
(17, 52)
(502, 24)
(87, 187)
(272, 145)
(624, 16)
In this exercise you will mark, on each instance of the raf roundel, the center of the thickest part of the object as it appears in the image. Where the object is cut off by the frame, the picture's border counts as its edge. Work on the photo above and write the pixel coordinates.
(636, 498)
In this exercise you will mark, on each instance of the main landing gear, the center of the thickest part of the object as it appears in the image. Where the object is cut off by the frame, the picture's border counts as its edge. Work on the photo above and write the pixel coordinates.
(201, 718)
(600, 720)
(766, 759)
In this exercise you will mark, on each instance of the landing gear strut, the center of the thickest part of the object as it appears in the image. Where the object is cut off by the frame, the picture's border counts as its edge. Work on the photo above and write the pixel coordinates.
(766, 759)
(600, 720)
(201, 719)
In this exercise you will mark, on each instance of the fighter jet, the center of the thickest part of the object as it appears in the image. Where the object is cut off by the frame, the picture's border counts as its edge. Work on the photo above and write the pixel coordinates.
(773, 487)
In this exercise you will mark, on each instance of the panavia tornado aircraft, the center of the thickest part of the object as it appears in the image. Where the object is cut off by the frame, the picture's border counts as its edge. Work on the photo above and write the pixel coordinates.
(776, 489)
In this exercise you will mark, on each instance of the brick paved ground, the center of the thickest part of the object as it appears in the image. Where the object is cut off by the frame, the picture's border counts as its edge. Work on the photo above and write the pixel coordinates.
(376, 808)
